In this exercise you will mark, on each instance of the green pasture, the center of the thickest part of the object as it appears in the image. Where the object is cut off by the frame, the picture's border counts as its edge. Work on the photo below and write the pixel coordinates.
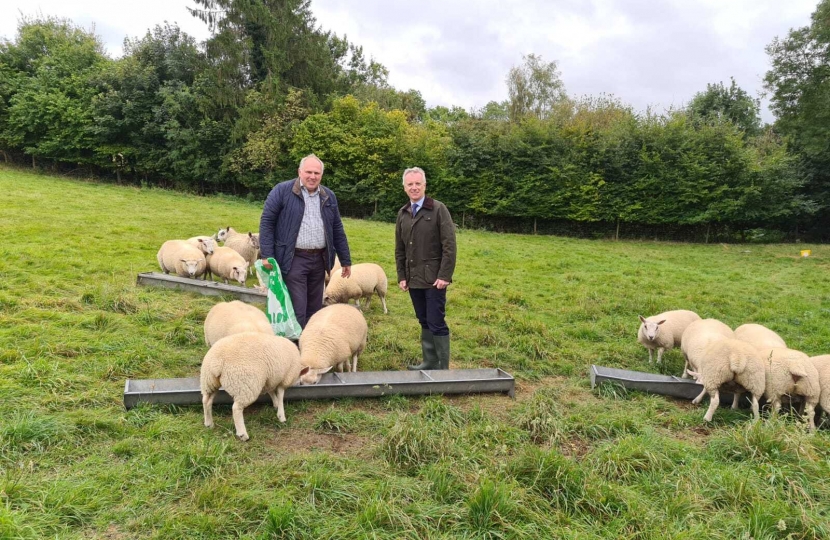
(559, 461)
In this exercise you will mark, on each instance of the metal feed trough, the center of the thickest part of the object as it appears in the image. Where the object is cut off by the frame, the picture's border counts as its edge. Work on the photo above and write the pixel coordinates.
(669, 385)
(336, 385)
(653, 383)
(210, 288)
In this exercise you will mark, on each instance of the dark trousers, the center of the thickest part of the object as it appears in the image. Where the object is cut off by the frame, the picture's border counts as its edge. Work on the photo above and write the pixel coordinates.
(306, 282)
(430, 308)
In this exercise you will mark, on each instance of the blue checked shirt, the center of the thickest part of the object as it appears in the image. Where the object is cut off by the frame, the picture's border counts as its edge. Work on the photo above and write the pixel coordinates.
(312, 235)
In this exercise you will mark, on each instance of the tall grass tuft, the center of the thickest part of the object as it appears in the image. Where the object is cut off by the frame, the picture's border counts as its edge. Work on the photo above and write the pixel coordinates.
(31, 432)
(542, 418)
(490, 509)
(413, 442)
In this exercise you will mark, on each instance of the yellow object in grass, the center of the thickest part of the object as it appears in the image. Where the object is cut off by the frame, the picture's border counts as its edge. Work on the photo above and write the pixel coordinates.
(806, 252)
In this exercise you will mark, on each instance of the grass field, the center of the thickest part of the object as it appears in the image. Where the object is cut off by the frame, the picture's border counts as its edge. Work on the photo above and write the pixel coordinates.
(559, 461)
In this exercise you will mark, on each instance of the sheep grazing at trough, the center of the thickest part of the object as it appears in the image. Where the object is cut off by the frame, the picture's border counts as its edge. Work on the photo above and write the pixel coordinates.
(334, 336)
(663, 331)
(792, 373)
(228, 264)
(822, 365)
(697, 336)
(246, 244)
(227, 318)
(182, 258)
(726, 360)
(759, 336)
(247, 365)
(366, 278)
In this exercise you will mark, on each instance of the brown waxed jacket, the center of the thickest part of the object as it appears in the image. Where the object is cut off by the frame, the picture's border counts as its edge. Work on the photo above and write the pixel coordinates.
(425, 244)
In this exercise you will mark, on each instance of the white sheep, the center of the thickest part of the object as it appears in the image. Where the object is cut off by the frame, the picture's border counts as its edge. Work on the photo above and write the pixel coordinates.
(226, 318)
(228, 264)
(822, 365)
(697, 336)
(246, 244)
(726, 360)
(791, 372)
(182, 258)
(247, 365)
(365, 279)
(664, 331)
(205, 243)
(759, 336)
(334, 336)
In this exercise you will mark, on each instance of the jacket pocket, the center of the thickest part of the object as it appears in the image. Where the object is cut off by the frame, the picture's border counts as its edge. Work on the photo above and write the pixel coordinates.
(431, 267)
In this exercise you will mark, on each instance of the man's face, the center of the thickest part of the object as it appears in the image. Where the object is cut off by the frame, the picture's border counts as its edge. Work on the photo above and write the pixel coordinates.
(311, 172)
(415, 186)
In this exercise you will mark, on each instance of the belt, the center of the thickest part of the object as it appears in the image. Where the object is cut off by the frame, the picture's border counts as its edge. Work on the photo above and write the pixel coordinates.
(301, 250)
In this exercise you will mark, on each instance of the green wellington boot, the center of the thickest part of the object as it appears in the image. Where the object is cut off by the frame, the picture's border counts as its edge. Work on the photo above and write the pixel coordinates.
(442, 350)
(428, 351)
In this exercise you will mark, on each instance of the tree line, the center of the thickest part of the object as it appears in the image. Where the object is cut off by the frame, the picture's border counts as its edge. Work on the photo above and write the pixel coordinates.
(234, 115)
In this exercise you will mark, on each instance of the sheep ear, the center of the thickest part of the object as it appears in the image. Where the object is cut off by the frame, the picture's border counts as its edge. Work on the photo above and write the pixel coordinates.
(642, 319)
(250, 235)
(661, 322)
(184, 260)
(304, 370)
(325, 370)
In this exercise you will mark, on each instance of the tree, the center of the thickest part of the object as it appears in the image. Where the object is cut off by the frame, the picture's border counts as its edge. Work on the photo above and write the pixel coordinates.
(274, 45)
(732, 104)
(125, 111)
(534, 88)
(799, 83)
(47, 112)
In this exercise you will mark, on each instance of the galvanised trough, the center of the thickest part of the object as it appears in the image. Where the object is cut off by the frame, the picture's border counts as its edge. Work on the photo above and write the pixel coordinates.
(209, 288)
(336, 385)
(669, 385)
(653, 383)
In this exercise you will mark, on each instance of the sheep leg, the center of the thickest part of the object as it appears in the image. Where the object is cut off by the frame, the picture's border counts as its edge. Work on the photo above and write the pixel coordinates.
(660, 354)
(368, 301)
(775, 403)
(383, 301)
(239, 421)
(207, 405)
(277, 400)
(354, 363)
(649, 356)
(756, 414)
(699, 397)
(810, 411)
(714, 401)
(736, 397)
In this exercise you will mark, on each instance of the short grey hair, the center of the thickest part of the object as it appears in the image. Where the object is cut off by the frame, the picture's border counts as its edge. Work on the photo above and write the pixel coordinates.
(414, 170)
(312, 156)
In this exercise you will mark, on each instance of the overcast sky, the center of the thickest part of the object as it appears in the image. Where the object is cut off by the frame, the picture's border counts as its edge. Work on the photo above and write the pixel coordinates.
(656, 53)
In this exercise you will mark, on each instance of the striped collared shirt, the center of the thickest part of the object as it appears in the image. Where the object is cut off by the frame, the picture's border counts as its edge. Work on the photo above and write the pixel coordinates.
(312, 235)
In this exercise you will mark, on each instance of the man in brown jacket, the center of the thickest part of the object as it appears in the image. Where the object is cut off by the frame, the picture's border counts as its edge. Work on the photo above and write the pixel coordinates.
(425, 260)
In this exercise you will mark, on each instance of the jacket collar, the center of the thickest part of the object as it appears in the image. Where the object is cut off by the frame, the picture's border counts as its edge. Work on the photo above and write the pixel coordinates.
(429, 204)
(297, 188)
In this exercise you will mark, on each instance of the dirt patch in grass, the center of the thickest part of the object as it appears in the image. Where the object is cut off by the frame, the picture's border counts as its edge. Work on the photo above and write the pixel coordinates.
(303, 441)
